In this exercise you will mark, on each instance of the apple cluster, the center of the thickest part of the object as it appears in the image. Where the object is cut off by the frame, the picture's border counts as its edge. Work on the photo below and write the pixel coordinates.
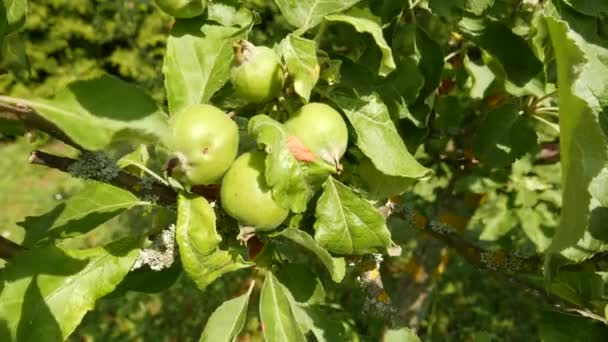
(205, 141)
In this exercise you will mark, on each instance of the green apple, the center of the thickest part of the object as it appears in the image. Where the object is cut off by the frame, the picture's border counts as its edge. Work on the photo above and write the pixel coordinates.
(257, 75)
(205, 140)
(322, 129)
(182, 8)
(246, 197)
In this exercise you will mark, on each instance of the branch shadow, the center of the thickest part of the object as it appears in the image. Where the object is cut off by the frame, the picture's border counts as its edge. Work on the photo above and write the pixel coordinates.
(37, 322)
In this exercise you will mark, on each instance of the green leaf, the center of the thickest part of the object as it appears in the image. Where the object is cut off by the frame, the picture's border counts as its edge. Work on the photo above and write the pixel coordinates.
(347, 224)
(197, 62)
(227, 15)
(47, 291)
(293, 183)
(306, 14)
(582, 70)
(12, 16)
(335, 266)
(300, 56)
(431, 63)
(276, 313)
(558, 327)
(478, 7)
(83, 212)
(97, 112)
(365, 22)
(400, 335)
(512, 51)
(227, 321)
(503, 136)
(146, 280)
(377, 185)
(377, 136)
(198, 242)
(481, 78)
(589, 7)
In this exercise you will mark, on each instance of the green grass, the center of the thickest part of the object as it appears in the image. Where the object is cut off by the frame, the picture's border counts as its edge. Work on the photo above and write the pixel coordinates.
(29, 190)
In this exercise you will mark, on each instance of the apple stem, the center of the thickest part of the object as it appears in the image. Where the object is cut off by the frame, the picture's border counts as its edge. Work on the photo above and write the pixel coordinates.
(243, 51)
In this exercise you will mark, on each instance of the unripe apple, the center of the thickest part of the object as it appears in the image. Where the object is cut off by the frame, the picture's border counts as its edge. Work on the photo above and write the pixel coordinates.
(205, 140)
(182, 8)
(246, 197)
(322, 129)
(257, 75)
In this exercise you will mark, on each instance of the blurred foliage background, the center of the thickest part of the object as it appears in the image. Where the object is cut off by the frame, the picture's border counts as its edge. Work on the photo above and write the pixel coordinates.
(66, 40)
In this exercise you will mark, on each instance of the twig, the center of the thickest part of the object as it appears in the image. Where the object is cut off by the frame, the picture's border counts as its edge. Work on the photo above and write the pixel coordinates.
(129, 182)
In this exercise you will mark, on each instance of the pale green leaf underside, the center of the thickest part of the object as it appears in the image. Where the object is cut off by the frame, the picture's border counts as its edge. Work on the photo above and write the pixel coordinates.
(348, 224)
(276, 313)
(377, 136)
(198, 241)
(227, 321)
(300, 56)
(307, 14)
(47, 291)
(583, 97)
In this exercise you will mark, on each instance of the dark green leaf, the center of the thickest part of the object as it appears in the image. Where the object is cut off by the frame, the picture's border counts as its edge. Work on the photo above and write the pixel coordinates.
(589, 7)
(347, 224)
(227, 321)
(365, 22)
(513, 52)
(503, 136)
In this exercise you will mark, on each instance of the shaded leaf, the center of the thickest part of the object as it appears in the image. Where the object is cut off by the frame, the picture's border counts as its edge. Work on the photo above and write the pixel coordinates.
(97, 112)
(83, 212)
(227, 321)
(513, 52)
(47, 291)
(365, 22)
(503, 136)
(335, 266)
(347, 224)
(198, 242)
